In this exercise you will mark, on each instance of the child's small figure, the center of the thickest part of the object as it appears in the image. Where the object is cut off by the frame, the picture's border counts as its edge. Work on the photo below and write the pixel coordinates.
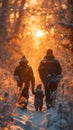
(38, 99)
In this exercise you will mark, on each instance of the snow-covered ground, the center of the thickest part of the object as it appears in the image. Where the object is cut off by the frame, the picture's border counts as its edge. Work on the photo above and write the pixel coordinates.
(12, 117)
(29, 119)
(58, 118)
(53, 119)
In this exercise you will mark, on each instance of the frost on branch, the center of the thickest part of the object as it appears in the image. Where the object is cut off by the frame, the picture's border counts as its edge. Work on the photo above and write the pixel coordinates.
(61, 118)
(8, 95)
(67, 25)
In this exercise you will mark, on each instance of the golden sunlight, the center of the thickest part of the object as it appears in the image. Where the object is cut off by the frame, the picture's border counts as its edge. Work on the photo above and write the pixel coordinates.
(31, 2)
(39, 33)
(64, 6)
(52, 32)
(37, 36)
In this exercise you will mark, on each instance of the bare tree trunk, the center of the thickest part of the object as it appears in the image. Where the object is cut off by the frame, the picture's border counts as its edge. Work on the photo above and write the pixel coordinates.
(15, 3)
(20, 18)
(45, 3)
(3, 19)
(71, 21)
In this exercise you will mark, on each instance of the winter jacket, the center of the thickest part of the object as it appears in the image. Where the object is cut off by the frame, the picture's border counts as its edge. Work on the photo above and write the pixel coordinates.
(49, 65)
(25, 74)
(38, 100)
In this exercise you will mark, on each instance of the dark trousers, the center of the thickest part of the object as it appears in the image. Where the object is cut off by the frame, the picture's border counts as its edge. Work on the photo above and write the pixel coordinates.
(48, 92)
(25, 90)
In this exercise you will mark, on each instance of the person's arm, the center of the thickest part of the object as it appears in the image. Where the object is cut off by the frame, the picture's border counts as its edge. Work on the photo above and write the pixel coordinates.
(16, 71)
(41, 70)
(16, 74)
(32, 79)
(59, 68)
(43, 94)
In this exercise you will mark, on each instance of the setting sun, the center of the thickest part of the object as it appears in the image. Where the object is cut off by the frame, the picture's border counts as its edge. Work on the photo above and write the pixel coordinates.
(39, 33)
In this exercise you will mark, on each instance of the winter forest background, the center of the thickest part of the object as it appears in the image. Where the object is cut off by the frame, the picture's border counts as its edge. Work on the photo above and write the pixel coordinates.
(29, 28)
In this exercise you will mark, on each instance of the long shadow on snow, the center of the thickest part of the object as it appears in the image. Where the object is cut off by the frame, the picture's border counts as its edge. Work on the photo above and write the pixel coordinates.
(22, 120)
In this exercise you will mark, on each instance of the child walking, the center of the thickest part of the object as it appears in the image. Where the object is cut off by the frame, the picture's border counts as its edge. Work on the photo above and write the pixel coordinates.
(38, 98)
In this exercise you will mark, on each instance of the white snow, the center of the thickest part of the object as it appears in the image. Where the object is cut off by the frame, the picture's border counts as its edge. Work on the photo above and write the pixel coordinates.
(52, 119)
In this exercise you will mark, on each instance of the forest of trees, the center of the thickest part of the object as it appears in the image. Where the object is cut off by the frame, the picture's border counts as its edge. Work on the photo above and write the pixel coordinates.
(30, 27)
(12, 13)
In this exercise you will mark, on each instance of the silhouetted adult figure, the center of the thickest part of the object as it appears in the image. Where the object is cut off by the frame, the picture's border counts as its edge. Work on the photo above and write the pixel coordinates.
(24, 76)
(48, 69)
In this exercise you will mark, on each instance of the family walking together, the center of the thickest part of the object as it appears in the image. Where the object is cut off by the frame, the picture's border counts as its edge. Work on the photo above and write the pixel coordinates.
(48, 69)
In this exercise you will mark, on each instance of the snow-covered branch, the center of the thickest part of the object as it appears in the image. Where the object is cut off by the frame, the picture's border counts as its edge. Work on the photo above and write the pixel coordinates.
(67, 25)
(8, 97)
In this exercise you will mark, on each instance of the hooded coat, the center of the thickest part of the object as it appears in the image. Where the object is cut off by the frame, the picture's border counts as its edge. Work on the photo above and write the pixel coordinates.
(25, 75)
(49, 65)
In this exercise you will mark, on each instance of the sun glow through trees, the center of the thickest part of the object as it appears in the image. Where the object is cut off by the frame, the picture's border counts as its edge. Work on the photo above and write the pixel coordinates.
(39, 33)
(41, 30)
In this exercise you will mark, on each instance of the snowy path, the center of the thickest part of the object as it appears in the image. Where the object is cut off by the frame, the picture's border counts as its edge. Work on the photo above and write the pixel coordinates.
(30, 119)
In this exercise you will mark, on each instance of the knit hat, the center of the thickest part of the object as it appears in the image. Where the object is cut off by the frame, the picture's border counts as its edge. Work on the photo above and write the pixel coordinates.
(49, 52)
(23, 60)
(39, 86)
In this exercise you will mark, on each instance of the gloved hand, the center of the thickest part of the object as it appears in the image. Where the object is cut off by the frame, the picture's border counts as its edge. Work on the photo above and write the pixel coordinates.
(16, 78)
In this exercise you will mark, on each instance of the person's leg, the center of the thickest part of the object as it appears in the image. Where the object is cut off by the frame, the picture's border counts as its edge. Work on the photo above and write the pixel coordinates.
(47, 94)
(21, 102)
(40, 108)
(36, 107)
(26, 90)
(53, 95)
(20, 84)
(26, 94)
